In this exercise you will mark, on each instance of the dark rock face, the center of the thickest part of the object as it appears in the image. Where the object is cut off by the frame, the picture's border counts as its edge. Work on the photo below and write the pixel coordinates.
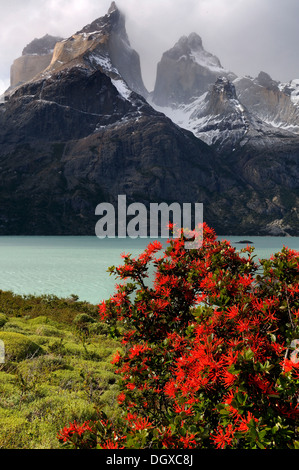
(81, 133)
(69, 105)
(41, 46)
(110, 37)
(222, 120)
(79, 142)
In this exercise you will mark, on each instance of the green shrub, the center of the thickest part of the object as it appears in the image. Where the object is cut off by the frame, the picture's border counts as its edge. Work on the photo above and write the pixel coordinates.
(50, 376)
(13, 431)
(83, 318)
(18, 347)
(47, 330)
(13, 327)
(44, 320)
(98, 329)
(39, 368)
(3, 319)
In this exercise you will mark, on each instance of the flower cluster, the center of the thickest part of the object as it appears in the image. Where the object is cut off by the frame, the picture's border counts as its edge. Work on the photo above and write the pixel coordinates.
(210, 348)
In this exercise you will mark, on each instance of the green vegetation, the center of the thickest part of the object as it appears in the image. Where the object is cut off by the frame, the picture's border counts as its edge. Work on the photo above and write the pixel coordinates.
(57, 368)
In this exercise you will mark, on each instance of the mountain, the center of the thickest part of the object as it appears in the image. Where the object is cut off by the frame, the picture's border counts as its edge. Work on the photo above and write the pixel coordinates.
(102, 45)
(191, 81)
(252, 125)
(36, 56)
(186, 71)
(85, 130)
(274, 103)
(76, 135)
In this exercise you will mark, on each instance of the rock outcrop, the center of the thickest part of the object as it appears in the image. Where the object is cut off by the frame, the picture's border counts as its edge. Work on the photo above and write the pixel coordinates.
(36, 56)
(102, 45)
(273, 103)
(186, 71)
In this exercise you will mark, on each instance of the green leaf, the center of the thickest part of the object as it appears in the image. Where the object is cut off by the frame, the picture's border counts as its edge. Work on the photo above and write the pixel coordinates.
(260, 445)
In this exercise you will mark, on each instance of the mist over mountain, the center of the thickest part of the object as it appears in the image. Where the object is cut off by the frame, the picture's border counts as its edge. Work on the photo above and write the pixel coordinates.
(81, 128)
(186, 71)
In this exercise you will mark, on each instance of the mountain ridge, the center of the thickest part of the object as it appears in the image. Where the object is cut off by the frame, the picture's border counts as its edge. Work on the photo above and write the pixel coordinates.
(87, 131)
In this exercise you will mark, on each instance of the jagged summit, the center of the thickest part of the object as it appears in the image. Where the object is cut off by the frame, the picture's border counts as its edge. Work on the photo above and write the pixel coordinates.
(185, 72)
(112, 8)
(76, 135)
(192, 47)
(220, 119)
(224, 89)
(101, 45)
(113, 21)
(266, 81)
(195, 41)
(186, 44)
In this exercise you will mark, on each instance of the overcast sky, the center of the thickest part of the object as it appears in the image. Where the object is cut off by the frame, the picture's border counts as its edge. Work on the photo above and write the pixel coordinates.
(247, 35)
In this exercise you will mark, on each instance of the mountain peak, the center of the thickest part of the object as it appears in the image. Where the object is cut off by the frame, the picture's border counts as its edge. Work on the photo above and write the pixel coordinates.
(186, 71)
(186, 45)
(101, 45)
(113, 7)
(266, 81)
(223, 87)
(195, 41)
(114, 20)
(41, 46)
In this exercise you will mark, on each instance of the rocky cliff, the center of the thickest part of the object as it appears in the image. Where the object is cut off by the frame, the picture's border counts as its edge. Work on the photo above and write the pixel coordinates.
(36, 56)
(186, 71)
(274, 103)
(77, 135)
(102, 45)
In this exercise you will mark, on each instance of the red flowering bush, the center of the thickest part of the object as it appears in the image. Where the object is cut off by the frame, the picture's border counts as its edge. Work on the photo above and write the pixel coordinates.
(209, 354)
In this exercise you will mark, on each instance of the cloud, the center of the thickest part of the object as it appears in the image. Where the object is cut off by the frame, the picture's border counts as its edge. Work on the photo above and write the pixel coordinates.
(247, 35)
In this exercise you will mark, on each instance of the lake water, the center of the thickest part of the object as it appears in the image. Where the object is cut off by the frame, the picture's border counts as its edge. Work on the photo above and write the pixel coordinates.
(78, 265)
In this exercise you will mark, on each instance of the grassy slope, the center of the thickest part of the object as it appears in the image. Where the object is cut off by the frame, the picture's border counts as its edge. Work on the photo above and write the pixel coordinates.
(61, 379)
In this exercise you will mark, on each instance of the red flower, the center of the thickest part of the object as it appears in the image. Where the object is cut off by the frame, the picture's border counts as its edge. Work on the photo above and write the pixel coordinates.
(116, 359)
(138, 423)
(111, 445)
(67, 433)
(223, 436)
(121, 398)
(130, 386)
(243, 425)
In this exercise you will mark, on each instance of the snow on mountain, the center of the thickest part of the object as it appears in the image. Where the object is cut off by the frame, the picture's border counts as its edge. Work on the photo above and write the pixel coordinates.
(185, 72)
(188, 78)
(274, 103)
(215, 117)
(291, 89)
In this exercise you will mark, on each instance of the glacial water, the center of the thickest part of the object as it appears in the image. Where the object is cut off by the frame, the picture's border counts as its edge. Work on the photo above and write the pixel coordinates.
(78, 265)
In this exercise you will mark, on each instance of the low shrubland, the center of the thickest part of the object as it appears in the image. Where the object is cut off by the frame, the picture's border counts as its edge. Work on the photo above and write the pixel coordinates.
(57, 368)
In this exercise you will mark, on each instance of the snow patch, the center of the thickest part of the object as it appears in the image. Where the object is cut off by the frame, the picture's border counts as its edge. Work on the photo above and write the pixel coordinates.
(122, 88)
(207, 60)
(293, 86)
(104, 62)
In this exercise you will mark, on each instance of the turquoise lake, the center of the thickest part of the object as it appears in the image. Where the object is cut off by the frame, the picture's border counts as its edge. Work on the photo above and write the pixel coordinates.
(78, 265)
